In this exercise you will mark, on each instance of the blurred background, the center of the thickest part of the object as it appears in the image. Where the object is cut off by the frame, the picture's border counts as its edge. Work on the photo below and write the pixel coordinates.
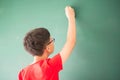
(97, 52)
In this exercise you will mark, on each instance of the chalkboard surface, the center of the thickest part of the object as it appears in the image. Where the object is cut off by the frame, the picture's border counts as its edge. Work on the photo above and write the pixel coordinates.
(97, 52)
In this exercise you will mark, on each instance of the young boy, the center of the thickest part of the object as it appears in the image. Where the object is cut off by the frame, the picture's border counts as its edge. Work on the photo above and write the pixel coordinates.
(40, 44)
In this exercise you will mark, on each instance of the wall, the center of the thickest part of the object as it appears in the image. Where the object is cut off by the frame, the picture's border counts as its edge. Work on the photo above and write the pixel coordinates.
(97, 52)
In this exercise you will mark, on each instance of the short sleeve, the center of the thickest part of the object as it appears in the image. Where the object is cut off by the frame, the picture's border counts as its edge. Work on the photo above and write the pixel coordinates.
(56, 62)
(20, 76)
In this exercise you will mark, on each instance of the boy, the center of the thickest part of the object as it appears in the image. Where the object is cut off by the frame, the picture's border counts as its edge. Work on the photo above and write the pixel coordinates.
(40, 44)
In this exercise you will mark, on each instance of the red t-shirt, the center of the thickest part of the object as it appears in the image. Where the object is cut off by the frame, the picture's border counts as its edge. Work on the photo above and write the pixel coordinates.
(42, 70)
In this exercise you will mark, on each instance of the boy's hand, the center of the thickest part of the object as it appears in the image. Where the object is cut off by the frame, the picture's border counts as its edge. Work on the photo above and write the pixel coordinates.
(69, 12)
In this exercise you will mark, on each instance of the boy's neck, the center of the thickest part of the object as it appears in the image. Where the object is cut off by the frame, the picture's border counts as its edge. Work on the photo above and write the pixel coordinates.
(38, 58)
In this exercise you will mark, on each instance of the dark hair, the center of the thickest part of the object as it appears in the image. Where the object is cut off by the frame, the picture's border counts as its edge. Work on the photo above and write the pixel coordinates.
(35, 41)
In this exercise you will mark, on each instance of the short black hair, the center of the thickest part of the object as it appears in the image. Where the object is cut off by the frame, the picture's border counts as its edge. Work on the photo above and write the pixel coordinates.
(35, 41)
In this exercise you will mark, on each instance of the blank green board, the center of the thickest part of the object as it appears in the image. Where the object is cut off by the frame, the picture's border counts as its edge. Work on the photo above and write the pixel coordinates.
(97, 52)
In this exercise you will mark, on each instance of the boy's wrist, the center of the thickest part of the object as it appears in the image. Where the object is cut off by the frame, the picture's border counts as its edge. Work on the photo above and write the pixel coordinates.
(71, 19)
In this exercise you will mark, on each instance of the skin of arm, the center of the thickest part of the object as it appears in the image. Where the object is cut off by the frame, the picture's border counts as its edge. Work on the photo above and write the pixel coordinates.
(71, 34)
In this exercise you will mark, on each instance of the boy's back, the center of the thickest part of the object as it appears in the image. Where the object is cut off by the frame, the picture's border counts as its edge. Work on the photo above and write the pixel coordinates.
(42, 70)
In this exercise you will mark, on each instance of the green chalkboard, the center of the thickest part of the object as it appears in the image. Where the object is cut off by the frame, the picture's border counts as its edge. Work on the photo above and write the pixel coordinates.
(97, 52)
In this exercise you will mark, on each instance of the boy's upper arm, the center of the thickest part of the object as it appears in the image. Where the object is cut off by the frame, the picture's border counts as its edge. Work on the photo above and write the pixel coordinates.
(67, 50)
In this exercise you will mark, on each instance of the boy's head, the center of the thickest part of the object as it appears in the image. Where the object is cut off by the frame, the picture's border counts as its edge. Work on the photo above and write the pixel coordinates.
(36, 41)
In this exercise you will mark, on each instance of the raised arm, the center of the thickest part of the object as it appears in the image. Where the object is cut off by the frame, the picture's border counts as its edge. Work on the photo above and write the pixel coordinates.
(71, 35)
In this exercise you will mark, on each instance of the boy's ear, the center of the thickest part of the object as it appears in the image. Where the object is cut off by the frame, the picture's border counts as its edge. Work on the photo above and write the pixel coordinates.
(47, 48)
